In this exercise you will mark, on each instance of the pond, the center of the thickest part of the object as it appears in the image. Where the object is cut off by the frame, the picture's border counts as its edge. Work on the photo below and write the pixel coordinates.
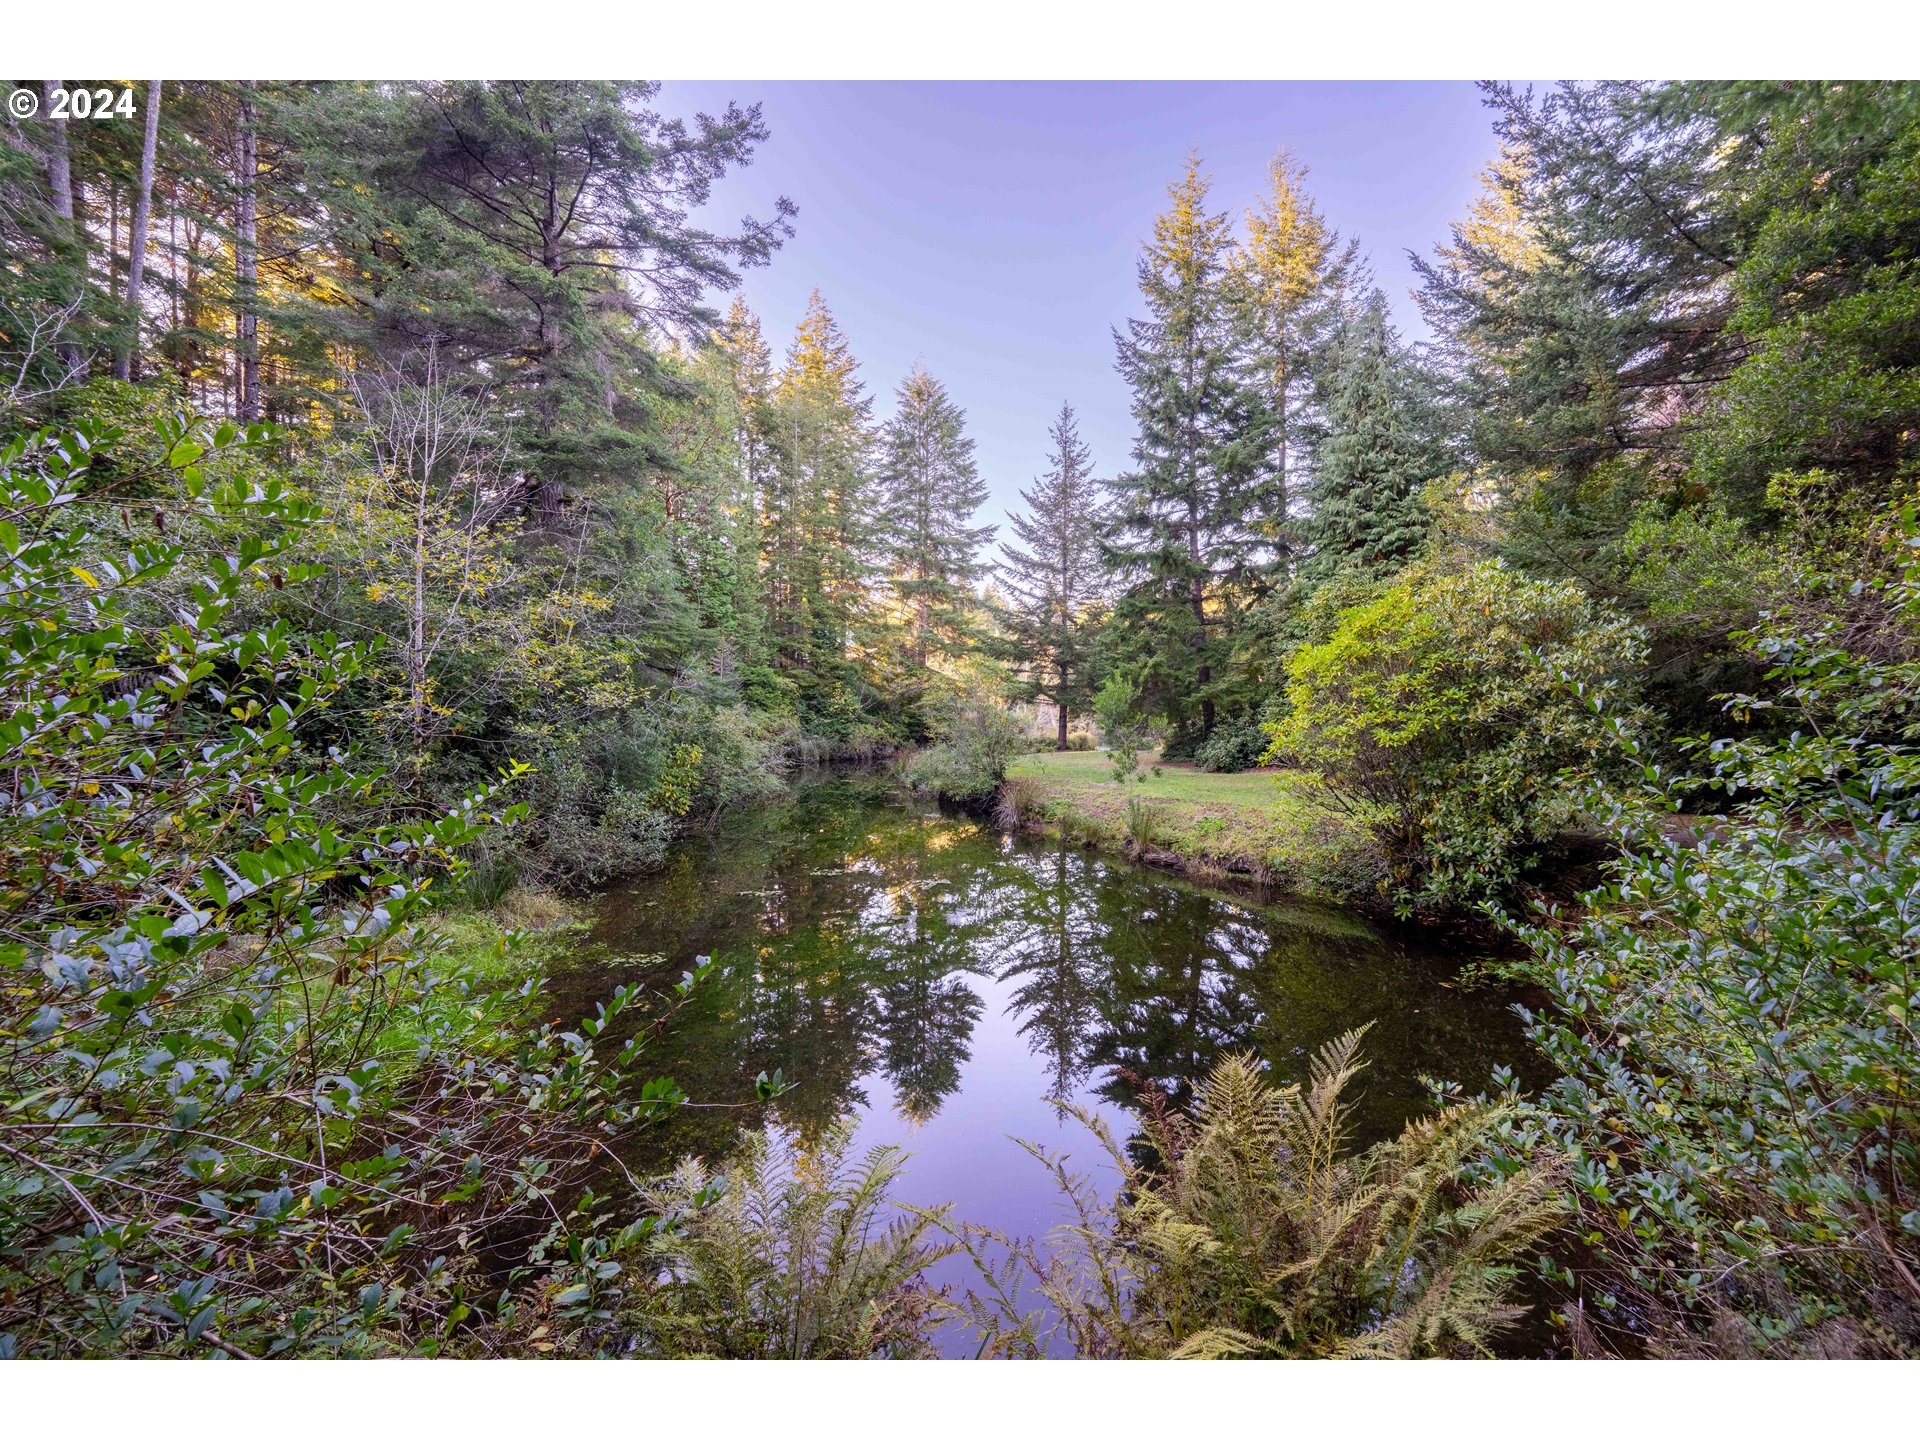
(937, 984)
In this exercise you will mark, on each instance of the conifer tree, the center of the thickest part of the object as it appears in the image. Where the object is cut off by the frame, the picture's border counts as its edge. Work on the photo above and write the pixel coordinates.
(1292, 272)
(1195, 525)
(749, 368)
(542, 230)
(931, 488)
(815, 542)
(1057, 581)
(1379, 453)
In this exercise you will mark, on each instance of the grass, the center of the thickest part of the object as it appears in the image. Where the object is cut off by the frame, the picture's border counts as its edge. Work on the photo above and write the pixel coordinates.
(476, 936)
(1279, 826)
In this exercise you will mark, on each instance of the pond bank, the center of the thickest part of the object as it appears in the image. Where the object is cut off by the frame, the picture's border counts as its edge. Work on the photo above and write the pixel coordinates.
(1278, 828)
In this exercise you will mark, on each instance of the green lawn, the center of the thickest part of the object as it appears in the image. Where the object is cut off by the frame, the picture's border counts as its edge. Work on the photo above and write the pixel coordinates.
(1276, 824)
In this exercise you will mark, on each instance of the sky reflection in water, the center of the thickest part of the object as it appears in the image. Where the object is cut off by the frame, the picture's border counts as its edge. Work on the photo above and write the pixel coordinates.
(938, 984)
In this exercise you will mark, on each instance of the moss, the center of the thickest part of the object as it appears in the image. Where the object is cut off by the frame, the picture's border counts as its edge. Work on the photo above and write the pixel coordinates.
(1277, 826)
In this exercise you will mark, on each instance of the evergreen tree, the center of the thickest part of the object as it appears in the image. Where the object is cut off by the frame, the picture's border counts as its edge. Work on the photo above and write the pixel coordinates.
(931, 488)
(749, 365)
(1292, 272)
(1196, 525)
(1368, 513)
(1585, 301)
(541, 231)
(1057, 582)
(816, 545)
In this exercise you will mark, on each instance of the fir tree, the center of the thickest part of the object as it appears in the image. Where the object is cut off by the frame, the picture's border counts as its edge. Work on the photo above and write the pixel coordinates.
(931, 489)
(1292, 272)
(816, 545)
(1585, 300)
(1196, 524)
(1056, 582)
(1379, 453)
(749, 366)
(541, 230)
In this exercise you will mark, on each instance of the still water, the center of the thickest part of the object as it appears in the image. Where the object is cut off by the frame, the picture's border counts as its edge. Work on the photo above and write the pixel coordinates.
(937, 983)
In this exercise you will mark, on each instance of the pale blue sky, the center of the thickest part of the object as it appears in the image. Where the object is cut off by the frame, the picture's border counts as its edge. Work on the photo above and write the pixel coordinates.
(990, 230)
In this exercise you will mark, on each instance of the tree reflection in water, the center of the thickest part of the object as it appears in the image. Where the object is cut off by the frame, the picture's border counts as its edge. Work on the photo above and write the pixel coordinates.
(940, 982)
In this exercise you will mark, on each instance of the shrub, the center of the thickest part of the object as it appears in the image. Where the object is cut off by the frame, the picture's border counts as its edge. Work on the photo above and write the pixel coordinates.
(1733, 1023)
(1117, 708)
(1233, 746)
(243, 1107)
(1246, 1230)
(979, 739)
(1453, 701)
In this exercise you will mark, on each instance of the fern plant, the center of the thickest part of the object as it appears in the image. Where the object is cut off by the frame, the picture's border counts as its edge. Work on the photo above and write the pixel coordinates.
(796, 1258)
(1249, 1230)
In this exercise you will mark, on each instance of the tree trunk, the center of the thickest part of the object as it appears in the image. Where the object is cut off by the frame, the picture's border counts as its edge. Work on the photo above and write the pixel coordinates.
(1060, 706)
(60, 187)
(1203, 675)
(246, 322)
(126, 363)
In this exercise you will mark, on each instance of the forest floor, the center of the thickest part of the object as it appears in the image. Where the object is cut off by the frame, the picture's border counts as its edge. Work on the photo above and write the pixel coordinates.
(1278, 827)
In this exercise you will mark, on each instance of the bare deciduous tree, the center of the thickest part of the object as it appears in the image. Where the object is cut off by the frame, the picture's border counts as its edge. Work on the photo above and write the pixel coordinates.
(443, 504)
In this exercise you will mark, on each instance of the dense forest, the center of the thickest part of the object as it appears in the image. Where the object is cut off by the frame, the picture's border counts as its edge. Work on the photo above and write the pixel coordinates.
(403, 515)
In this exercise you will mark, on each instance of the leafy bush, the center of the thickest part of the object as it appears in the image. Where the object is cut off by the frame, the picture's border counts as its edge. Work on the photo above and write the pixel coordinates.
(1733, 1020)
(1121, 728)
(243, 1109)
(980, 737)
(1453, 700)
(790, 1258)
(1247, 1231)
(1232, 747)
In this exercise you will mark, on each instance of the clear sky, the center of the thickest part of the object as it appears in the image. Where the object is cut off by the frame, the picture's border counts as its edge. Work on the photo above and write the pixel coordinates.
(990, 230)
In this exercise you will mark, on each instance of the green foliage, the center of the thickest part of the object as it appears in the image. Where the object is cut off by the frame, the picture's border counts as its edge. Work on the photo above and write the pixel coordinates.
(242, 1108)
(930, 488)
(1190, 532)
(1732, 1018)
(1122, 731)
(1826, 296)
(1380, 451)
(1449, 702)
(791, 1257)
(1248, 1230)
(979, 738)
(1056, 583)
(1232, 747)
(1144, 824)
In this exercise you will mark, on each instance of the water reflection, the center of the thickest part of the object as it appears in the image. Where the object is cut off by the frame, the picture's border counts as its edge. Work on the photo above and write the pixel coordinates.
(902, 965)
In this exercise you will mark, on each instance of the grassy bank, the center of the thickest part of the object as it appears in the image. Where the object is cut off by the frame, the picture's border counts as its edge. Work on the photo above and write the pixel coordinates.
(1275, 826)
(475, 936)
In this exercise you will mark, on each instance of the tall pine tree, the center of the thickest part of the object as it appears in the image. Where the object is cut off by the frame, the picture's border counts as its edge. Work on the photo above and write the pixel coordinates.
(1380, 451)
(1056, 582)
(931, 489)
(1196, 525)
